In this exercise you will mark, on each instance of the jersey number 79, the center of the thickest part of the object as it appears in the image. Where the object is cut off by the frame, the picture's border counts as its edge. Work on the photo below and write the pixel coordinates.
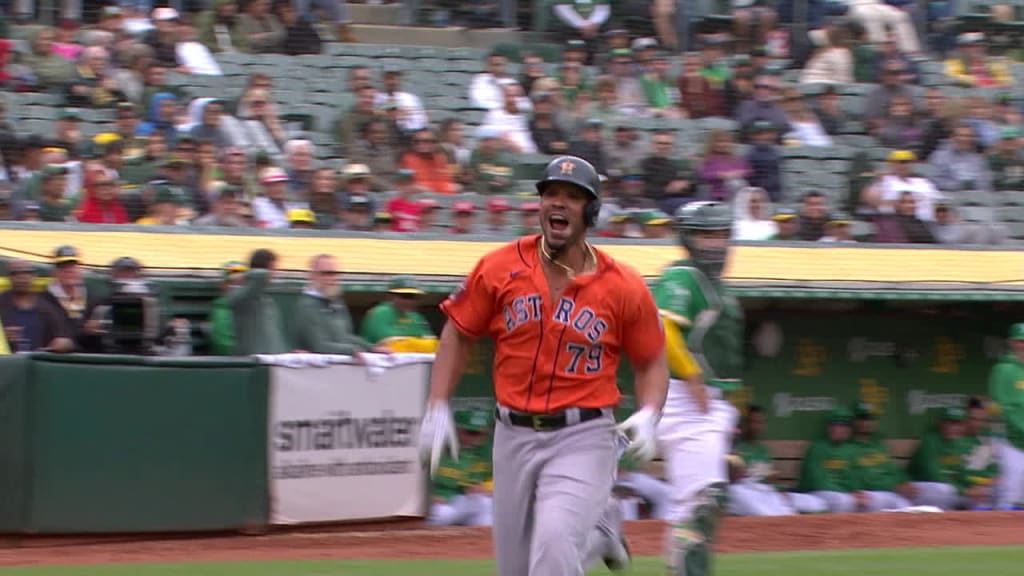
(588, 356)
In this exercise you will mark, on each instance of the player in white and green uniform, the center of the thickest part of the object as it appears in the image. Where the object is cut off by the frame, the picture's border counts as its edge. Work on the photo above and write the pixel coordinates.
(704, 347)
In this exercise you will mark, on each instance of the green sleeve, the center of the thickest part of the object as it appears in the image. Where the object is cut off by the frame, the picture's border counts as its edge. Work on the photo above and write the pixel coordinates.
(222, 329)
(352, 340)
(423, 329)
(308, 330)
(377, 323)
(924, 464)
(674, 295)
(1000, 383)
(449, 479)
(240, 34)
(812, 469)
(256, 282)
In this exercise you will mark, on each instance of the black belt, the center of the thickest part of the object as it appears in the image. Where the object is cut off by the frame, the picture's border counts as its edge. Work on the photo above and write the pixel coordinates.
(545, 422)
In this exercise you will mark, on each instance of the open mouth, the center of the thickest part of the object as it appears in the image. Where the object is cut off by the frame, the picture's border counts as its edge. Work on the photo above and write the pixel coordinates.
(558, 223)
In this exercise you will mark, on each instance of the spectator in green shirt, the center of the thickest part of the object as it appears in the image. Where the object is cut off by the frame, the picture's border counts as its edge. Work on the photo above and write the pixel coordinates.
(881, 482)
(222, 321)
(491, 168)
(462, 488)
(396, 322)
(257, 320)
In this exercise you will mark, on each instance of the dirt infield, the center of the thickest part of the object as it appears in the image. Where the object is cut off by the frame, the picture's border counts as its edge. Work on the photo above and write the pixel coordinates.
(738, 535)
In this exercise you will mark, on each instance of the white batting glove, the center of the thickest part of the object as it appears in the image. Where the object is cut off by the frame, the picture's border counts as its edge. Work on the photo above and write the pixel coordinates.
(641, 429)
(436, 431)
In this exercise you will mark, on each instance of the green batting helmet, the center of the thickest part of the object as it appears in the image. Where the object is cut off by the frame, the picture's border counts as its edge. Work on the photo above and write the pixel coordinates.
(580, 173)
(704, 216)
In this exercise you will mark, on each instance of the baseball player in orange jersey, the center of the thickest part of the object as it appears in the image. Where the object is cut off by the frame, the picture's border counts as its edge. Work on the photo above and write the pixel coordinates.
(561, 314)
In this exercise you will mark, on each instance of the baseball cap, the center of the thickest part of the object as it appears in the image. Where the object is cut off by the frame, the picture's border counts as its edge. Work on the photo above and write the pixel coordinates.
(617, 32)
(840, 218)
(65, 254)
(382, 217)
(164, 194)
(644, 44)
(498, 204)
(164, 14)
(404, 174)
(575, 45)
(763, 126)
(358, 201)
(463, 207)
(655, 218)
(864, 411)
(594, 123)
(404, 285)
(301, 215)
(784, 213)
(228, 191)
(233, 267)
(621, 53)
(1009, 133)
(173, 160)
(429, 204)
(840, 415)
(70, 114)
(125, 263)
(54, 170)
(530, 207)
(619, 216)
(953, 413)
(971, 38)
(902, 156)
(1017, 331)
(273, 174)
(356, 171)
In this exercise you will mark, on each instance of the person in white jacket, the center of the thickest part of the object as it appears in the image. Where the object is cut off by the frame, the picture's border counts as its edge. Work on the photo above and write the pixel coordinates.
(751, 210)
(832, 62)
(876, 16)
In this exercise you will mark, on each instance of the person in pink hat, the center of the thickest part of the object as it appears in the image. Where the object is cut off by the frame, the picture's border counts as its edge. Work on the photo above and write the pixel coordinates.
(497, 217)
(271, 209)
(463, 214)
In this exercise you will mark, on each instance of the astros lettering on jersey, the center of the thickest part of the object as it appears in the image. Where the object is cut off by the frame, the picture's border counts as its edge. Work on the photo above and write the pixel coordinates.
(549, 355)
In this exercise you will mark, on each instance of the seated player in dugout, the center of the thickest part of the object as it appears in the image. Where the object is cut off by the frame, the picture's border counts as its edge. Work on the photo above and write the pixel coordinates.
(397, 323)
(463, 487)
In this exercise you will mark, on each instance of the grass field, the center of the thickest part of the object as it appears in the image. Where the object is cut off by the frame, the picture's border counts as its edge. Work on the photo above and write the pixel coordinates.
(994, 561)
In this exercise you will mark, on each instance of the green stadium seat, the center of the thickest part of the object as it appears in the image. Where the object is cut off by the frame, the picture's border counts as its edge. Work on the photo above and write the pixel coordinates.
(979, 214)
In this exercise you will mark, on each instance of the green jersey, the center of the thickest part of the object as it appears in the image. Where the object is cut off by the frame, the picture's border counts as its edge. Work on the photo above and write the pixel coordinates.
(758, 460)
(472, 469)
(711, 320)
(980, 466)
(829, 467)
(222, 328)
(876, 470)
(1006, 388)
(384, 322)
(492, 173)
(939, 460)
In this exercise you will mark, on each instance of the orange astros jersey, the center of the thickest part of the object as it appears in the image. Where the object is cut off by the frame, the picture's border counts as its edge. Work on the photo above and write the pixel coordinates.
(550, 356)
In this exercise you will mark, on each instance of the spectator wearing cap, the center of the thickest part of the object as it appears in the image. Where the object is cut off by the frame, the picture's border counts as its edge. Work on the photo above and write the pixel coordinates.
(396, 323)
(382, 221)
(529, 220)
(491, 168)
(511, 120)
(374, 149)
(92, 85)
(429, 164)
(630, 99)
(605, 107)
(957, 165)
(659, 87)
(356, 180)
(902, 128)
(765, 160)
(590, 146)
(668, 176)
(206, 117)
(68, 294)
(101, 203)
(972, 65)
(221, 319)
(804, 127)
(616, 225)
(697, 97)
(575, 51)
(631, 192)
(723, 171)
(216, 26)
(751, 215)
(300, 36)
(30, 322)
(257, 30)
(626, 151)
(885, 194)
(740, 85)
(412, 116)
(164, 37)
(358, 214)
(839, 228)
(258, 328)
(485, 90)
(225, 211)
(1005, 161)
(656, 224)
(788, 223)
(572, 83)
(363, 110)
(301, 219)
(429, 208)
(463, 217)
(299, 155)
(271, 209)
(67, 133)
(903, 226)
(49, 69)
(832, 62)
(165, 207)
(893, 84)
(582, 18)
(322, 323)
(828, 108)
(813, 216)
(877, 16)
(496, 221)
(452, 141)
(979, 112)
(545, 130)
(764, 106)
(405, 209)
(53, 206)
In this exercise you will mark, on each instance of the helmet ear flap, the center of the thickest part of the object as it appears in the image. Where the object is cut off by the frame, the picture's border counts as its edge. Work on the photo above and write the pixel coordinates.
(591, 211)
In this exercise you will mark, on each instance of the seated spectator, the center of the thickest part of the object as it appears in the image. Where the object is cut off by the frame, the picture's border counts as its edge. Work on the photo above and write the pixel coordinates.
(101, 204)
(788, 223)
(300, 37)
(627, 150)
(91, 85)
(739, 87)
(453, 143)
(573, 86)
(714, 65)
(752, 21)
(206, 114)
(405, 209)
(496, 219)
(258, 328)
(160, 119)
(764, 106)
(885, 193)
(461, 492)
(356, 181)
(323, 198)
(659, 87)
(396, 323)
(193, 57)
(491, 167)
(903, 227)
(894, 83)
(164, 207)
(429, 164)
(216, 26)
(721, 170)
(605, 108)
(382, 221)
(155, 82)
(545, 131)
(49, 69)
(957, 165)
(225, 211)
(839, 228)
(902, 128)
(813, 216)
(485, 90)
(973, 67)
(463, 218)
(257, 30)
(668, 177)
(511, 121)
(805, 130)
(322, 323)
(222, 321)
(655, 224)
(582, 18)
(590, 146)
(299, 164)
(765, 161)
(630, 193)
(362, 111)
(832, 62)
(30, 322)
(979, 113)
(751, 208)
(301, 219)
(411, 116)
(697, 98)
(127, 122)
(357, 216)
(877, 16)
(828, 469)
(629, 93)
(1005, 161)
(68, 294)
(164, 37)
(53, 206)
(271, 209)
